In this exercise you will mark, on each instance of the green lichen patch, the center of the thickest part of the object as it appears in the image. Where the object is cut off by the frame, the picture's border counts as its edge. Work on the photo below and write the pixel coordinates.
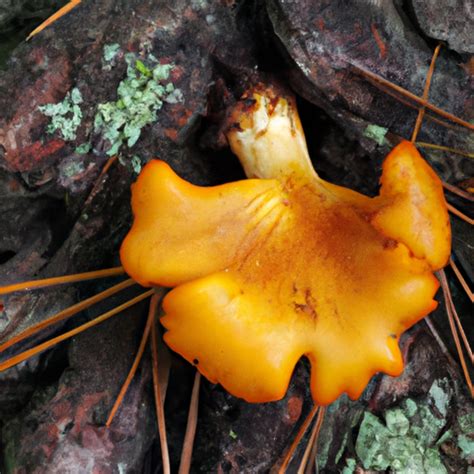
(341, 449)
(397, 423)
(350, 466)
(407, 441)
(136, 164)
(65, 116)
(376, 133)
(83, 149)
(72, 169)
(440, 393)
(465, 439)
(110, 51)
(139, 97)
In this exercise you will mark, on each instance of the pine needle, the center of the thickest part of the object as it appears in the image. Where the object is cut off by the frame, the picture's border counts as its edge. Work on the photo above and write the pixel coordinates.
(187, 452)
(56, 16)
(380, 80)
(421, 111)
(61, 280)
(155, 299)
(66, 313)
(56, 340)
(460, 214)
(461, 279)
(295, 443)
(160, 385)
(311, 451)
(449, 308)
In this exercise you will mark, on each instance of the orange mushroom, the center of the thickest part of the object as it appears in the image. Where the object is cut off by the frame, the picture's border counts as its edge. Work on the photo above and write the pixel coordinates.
(269, 269)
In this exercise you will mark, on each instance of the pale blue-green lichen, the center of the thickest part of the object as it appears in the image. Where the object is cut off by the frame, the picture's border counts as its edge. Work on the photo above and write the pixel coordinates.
(233, 434)
(376, 133)
(341, 449)
(466, 423)
(350, 466)
(440, 392)
(397, 423)
(407, 441)
(326, 439)
(83, 149)
(446, 436)
(136, 164)
(139, 97)
(465, 440)
(65, 116)
(110, 51)
(72, 169)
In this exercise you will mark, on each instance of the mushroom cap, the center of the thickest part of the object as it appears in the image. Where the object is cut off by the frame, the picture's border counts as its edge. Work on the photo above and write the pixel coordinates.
(266, 271)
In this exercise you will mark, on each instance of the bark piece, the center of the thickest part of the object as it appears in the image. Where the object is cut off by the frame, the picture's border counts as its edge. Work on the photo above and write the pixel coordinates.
(325, 41)
(449, 21)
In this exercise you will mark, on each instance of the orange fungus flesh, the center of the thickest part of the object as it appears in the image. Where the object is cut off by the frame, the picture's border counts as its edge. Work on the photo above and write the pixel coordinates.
(268, 270)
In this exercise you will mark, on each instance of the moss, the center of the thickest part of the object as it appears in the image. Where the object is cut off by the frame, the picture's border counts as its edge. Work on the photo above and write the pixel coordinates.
(139, 97)
(65, 116)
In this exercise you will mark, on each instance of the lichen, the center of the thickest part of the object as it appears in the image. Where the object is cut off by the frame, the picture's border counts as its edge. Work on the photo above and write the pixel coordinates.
(465, 440)
(139, 97)
(397, 423)
(407, 441)
(341, 449)
(66, 116)
(350, 466)
(83, 149)
(72, 169)
(110, 51)
(326, 439)
(376, 133)
(440, 393)
(136, 164)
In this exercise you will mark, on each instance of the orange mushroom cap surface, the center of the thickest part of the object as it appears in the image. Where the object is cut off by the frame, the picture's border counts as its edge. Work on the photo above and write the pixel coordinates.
(267, 270)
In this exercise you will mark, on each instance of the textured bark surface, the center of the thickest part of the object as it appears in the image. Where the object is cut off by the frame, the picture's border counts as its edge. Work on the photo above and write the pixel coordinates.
(329, 41)
(449, 21)
(59, 216)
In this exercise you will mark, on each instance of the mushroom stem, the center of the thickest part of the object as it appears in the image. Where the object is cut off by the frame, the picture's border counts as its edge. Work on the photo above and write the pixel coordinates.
(267, 136)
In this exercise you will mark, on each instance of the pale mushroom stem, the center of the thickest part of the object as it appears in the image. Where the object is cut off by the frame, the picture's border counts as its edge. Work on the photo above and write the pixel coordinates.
(268, 138)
